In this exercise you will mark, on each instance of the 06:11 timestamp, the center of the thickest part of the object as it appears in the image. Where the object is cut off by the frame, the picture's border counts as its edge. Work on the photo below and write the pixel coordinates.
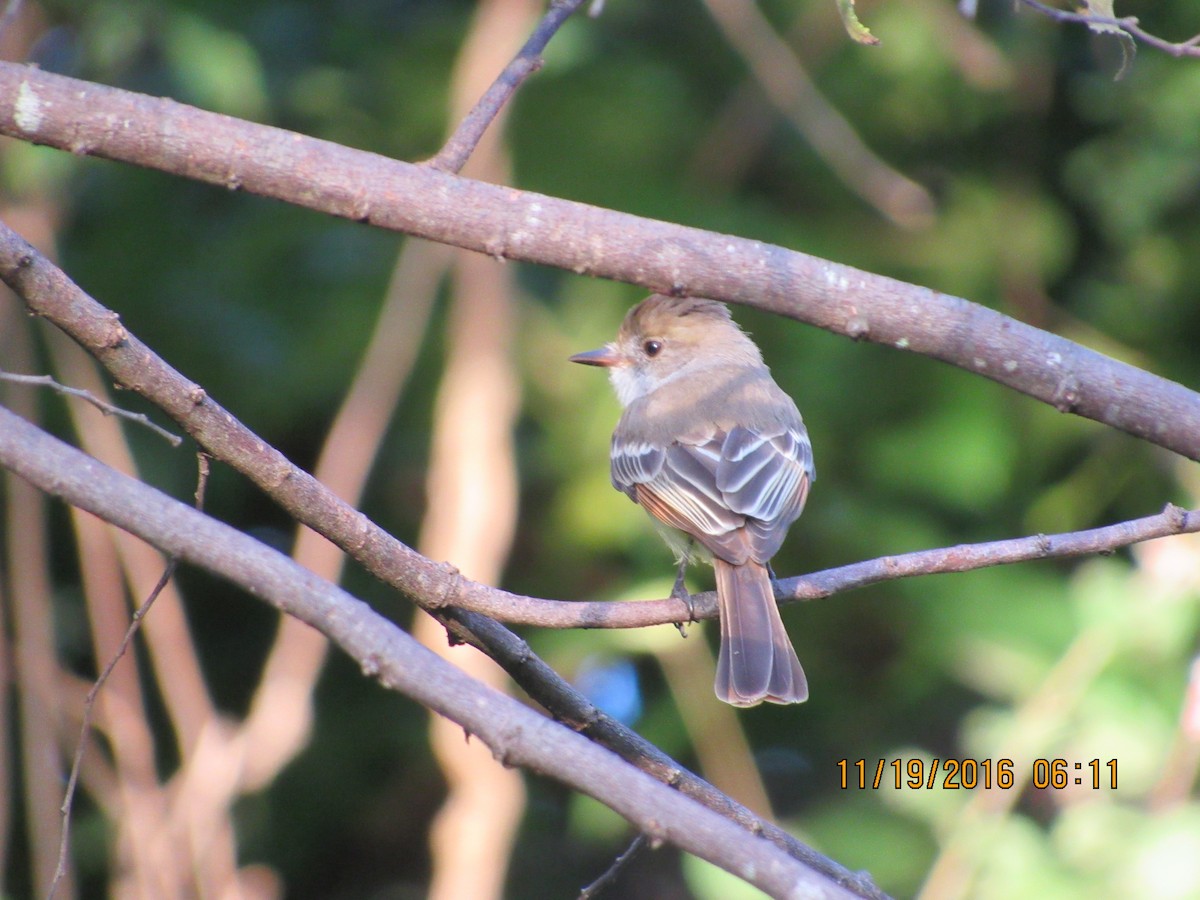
(968, 774)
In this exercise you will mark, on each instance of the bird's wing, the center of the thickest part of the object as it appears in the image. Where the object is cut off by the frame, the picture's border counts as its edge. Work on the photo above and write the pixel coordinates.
(765, 476)
(735, 492)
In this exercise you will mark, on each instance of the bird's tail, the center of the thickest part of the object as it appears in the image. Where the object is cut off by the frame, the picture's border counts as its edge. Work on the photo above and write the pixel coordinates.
(756, 661)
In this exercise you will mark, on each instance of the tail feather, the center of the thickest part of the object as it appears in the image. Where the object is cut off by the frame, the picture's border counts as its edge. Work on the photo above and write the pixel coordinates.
(756, 660)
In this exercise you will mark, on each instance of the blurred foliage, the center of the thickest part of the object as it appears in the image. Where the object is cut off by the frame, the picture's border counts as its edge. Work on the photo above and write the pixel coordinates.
(1065, 199)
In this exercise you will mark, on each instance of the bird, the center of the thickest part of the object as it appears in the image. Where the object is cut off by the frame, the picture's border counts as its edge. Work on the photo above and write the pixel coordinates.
(713, 449)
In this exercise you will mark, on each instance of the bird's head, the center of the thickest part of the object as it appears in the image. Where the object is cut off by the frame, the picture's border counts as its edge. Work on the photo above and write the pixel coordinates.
(664, 338)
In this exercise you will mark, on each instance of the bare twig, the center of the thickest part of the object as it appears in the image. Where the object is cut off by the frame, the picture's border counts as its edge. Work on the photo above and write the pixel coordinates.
(454, 154)
(105, 407)
(636, 846)
(1128, 24)
(89, 703)
(170, 650)
(507, 223)
(516, 734)
(967, 557)
(817, 585)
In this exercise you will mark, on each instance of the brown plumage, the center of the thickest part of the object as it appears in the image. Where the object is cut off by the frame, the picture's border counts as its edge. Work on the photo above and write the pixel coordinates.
(709, 445)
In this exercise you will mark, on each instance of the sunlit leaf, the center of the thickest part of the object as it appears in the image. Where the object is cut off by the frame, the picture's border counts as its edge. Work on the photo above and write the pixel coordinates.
(855, 28)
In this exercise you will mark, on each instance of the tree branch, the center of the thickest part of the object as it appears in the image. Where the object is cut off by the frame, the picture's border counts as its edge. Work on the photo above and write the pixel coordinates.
(966, 557)
(438, 588)
(609, 875)
(48, 292)
(516, 734)
(455, 152)
(550, 690)
(104, 406)
(1127, 24)
(89, 119)
(818, 585)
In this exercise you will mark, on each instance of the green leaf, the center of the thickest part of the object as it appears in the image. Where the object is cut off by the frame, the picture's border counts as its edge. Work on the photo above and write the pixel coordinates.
(855, 28)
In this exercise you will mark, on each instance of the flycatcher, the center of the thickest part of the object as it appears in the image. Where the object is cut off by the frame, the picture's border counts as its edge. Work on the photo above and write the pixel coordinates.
(710, 446)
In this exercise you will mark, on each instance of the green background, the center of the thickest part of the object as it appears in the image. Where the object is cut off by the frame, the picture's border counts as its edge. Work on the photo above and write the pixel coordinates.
(1063, 198)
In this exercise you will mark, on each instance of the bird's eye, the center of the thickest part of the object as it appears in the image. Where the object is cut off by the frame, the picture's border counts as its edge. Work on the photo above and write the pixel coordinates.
(652, 348)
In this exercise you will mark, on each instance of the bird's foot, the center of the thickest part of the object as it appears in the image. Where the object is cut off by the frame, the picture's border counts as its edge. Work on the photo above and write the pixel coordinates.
(680, 592)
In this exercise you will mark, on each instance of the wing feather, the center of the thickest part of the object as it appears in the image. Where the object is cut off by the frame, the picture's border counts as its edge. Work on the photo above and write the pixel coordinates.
(634, 463)
(735, 492)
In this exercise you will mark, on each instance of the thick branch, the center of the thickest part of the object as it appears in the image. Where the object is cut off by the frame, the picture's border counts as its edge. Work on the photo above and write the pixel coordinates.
(516, 734)
(549, 689)
(504, 222)
(48, 292)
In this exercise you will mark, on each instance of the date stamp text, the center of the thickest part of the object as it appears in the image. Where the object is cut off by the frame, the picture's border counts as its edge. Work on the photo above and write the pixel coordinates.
(968, 774)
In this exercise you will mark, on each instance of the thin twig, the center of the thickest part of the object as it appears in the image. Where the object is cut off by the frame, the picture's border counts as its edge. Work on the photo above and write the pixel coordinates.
(618, 865)
(1128, 24)
(1173, 520)
(454, 154)
(89, 703)
(105, 407)
(968, 557)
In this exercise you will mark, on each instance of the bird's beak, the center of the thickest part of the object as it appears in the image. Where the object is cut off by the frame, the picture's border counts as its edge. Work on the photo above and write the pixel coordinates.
(605, 356)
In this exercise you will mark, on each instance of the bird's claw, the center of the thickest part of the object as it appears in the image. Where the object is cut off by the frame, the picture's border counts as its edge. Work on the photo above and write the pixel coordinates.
(680, 592)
